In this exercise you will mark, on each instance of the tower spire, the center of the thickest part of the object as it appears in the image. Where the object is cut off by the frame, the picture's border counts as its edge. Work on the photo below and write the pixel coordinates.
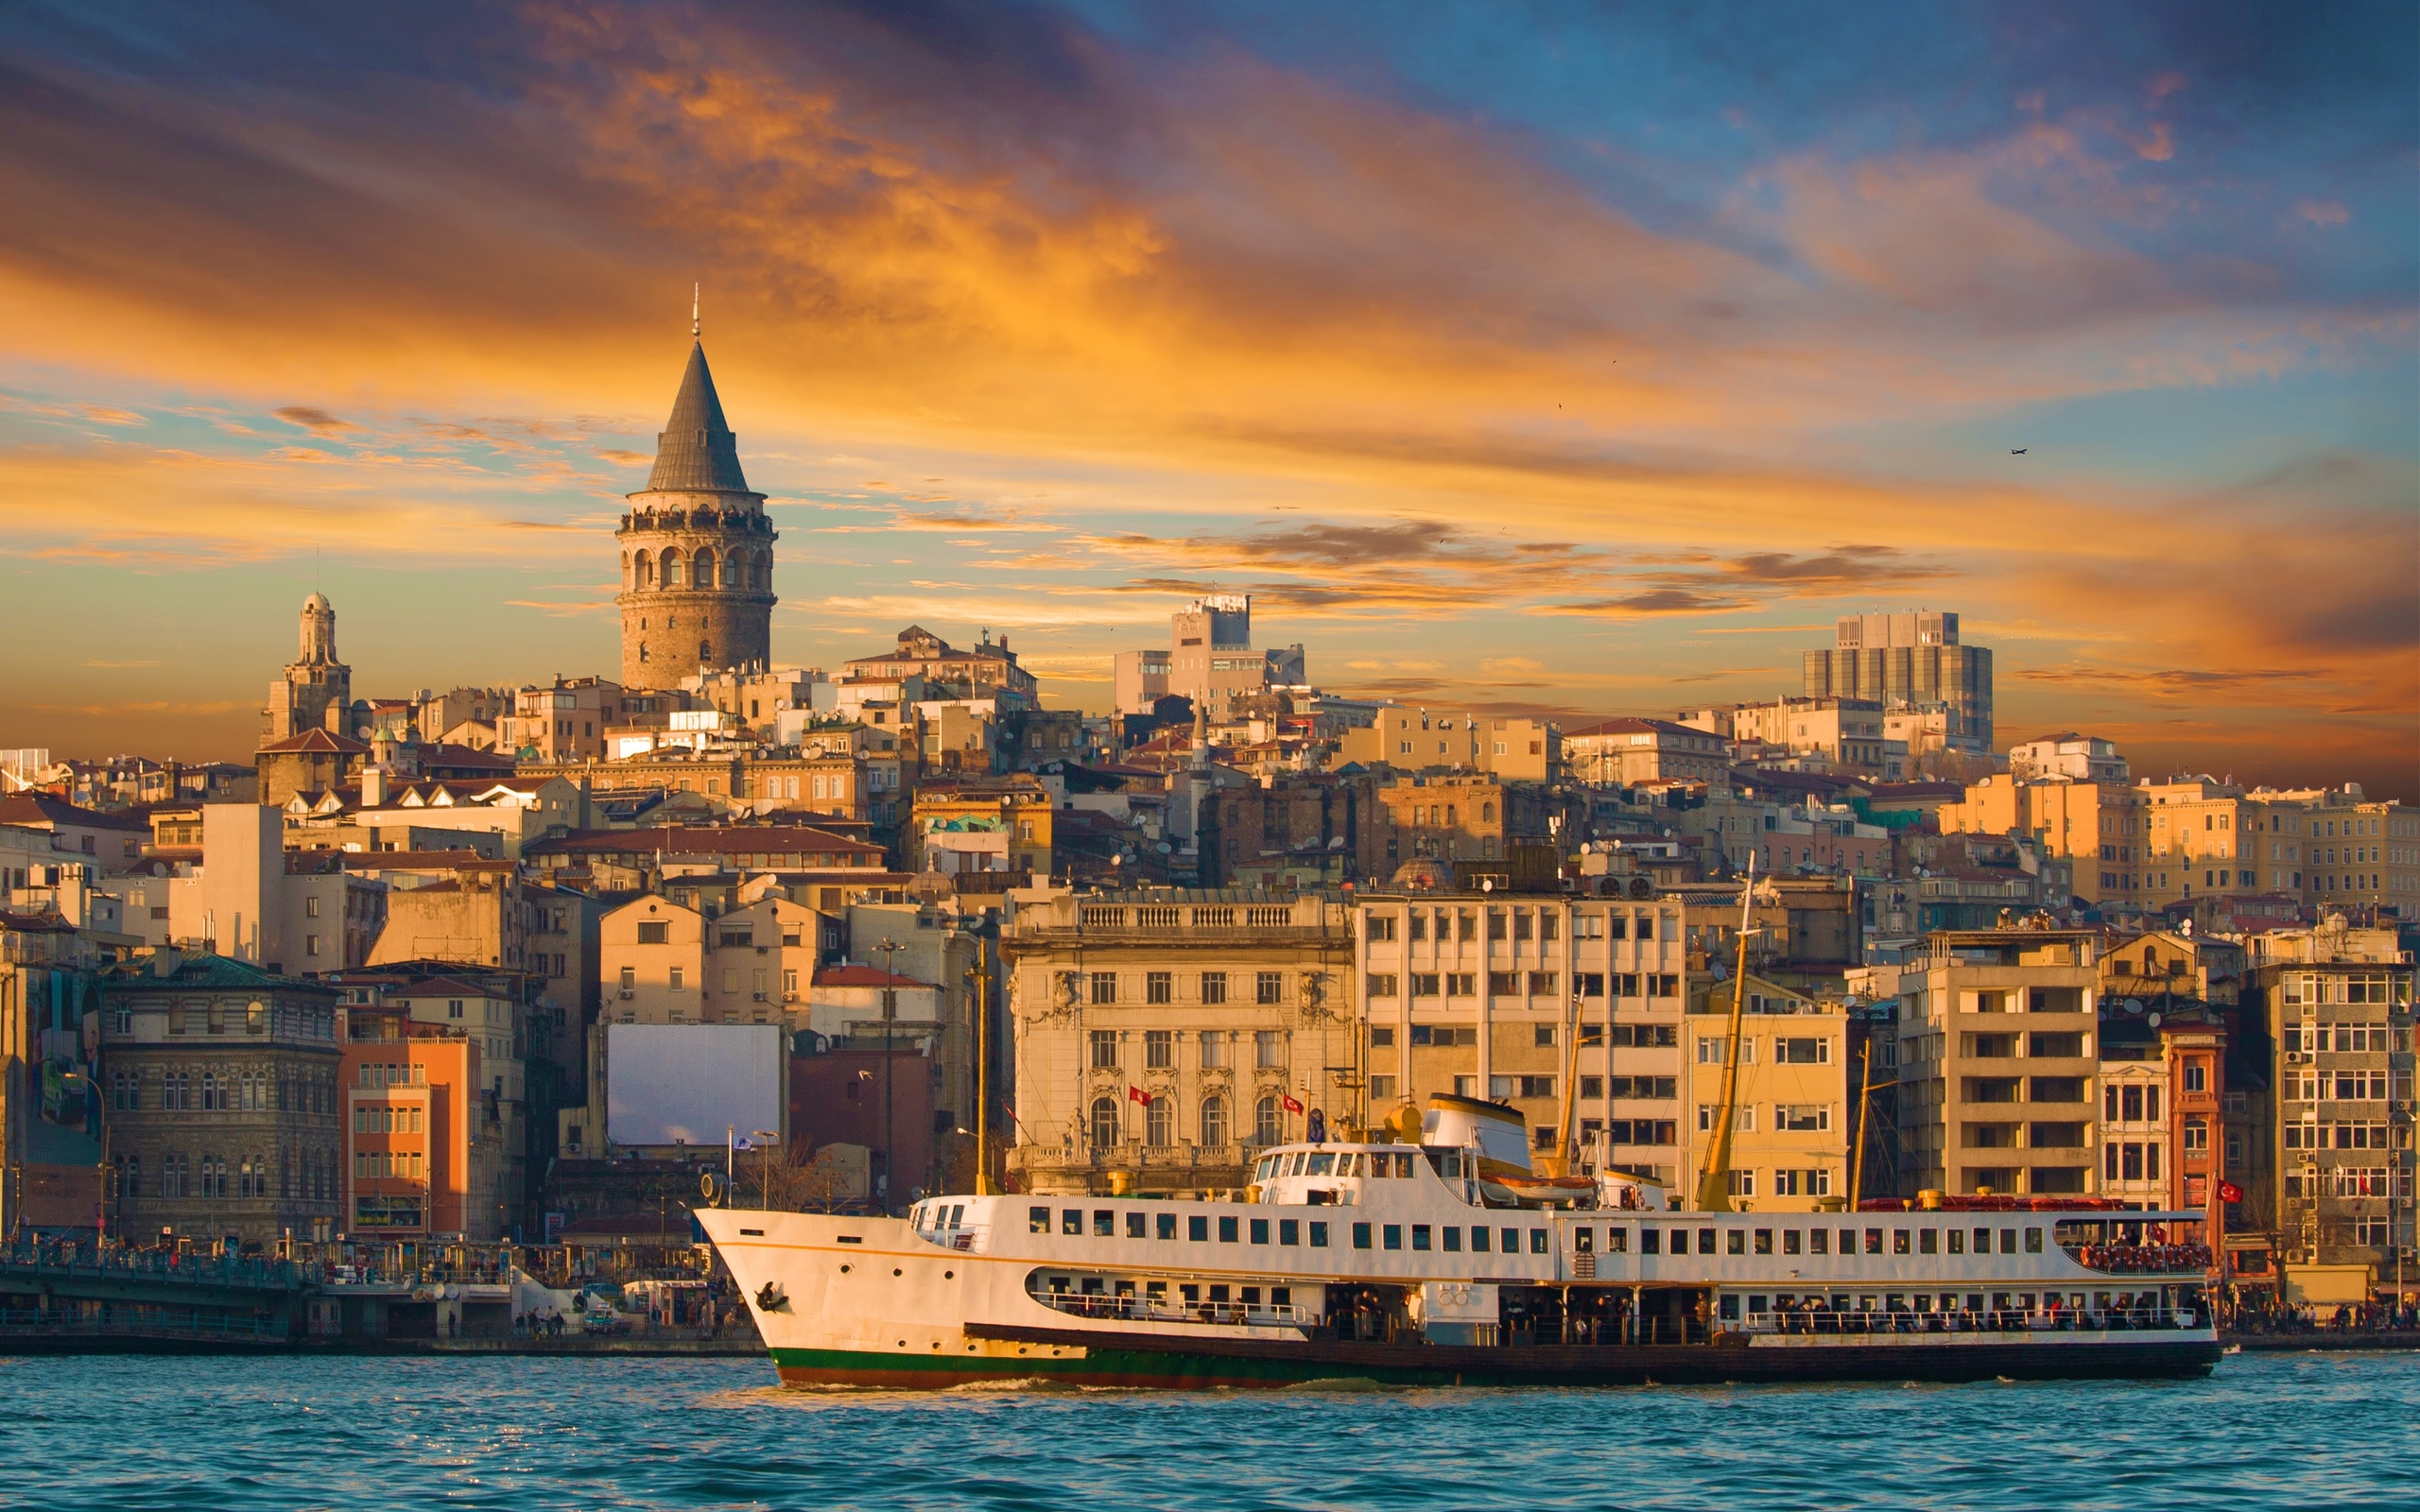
(693, 311)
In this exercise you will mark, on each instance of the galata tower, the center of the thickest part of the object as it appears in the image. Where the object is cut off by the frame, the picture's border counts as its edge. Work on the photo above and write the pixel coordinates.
(697, 549)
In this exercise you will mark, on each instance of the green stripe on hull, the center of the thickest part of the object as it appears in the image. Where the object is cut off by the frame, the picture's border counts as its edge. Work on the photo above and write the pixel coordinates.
(1095, 1367)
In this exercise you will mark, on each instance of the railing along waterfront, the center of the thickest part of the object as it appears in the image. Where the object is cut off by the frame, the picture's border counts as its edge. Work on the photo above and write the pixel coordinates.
(119, 1319)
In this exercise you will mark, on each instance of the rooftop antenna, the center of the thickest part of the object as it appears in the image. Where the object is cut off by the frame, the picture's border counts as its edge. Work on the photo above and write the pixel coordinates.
(693, 311)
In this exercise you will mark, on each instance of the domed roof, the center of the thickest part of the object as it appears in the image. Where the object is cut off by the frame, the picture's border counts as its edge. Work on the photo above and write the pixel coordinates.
(319, 602)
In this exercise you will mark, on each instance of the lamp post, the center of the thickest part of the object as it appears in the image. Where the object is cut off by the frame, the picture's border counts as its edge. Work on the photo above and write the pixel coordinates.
(889, 948)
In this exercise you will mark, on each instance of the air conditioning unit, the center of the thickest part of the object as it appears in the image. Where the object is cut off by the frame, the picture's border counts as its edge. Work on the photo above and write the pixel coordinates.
(626, 994)
(758, 996)
(2296, 1057)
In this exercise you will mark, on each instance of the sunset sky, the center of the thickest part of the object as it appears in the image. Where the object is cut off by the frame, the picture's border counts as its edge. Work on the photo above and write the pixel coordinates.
(1580, 359)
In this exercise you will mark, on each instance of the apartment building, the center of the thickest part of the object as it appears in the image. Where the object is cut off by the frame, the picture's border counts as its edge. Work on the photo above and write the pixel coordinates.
(1998, 1071)
(1162, 1038)
(1416, 739)
(221, 1081)
(2102, 828)
(1793, 1109)
(2338, 1005)
(1567, 1006)
(1630, 751)
(1845, 733)
(1908, 660)
(424, 1144)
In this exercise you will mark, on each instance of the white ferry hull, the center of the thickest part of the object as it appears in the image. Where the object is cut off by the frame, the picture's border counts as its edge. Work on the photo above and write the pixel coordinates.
(867, 1302)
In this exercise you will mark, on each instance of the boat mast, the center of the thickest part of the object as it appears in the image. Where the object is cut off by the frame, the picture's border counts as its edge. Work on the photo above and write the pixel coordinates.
(1864, 1101)
(1713, 1185)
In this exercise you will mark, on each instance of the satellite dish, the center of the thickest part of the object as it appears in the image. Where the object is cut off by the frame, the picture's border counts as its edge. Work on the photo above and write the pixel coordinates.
(2152, 1021)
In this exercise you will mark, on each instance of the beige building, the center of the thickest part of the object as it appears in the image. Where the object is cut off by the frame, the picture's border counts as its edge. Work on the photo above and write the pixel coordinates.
(1159, 1036)
(1998, 1067)
(1511, 750)
(563, 722)
(1794, 1118)
(1630, 751)
(2102, 828)
(1567, 1007)
(1847, 733)
(663, 963)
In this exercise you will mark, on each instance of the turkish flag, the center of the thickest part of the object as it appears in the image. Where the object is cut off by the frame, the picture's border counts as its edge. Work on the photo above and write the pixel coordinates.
(1292, 1106)
(2229, 1191)
(1138, 1095)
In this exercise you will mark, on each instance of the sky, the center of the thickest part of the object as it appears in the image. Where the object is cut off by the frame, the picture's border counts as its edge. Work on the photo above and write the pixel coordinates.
(1583, 360)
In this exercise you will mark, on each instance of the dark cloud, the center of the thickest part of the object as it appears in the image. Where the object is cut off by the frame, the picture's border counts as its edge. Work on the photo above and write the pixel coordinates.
(318, 422)
(1654, 601)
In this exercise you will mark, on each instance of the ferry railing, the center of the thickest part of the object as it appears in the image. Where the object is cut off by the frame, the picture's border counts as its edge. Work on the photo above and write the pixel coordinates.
(1150, 1310)
(2002, 1320)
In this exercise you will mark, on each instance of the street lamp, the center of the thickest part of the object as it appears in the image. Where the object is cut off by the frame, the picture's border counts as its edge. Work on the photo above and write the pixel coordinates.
(889, 948)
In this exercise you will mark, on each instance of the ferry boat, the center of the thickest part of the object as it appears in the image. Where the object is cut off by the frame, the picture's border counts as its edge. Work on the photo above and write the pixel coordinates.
(1441, 1259)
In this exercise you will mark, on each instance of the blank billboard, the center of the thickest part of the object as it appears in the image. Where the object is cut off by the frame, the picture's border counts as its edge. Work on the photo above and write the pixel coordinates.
(692, 1083)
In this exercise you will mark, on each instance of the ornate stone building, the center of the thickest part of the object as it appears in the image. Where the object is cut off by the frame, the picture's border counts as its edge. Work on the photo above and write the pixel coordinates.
(696, 550)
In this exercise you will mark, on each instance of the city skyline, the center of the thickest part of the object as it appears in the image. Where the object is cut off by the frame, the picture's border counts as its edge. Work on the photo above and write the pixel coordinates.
(1490, 390)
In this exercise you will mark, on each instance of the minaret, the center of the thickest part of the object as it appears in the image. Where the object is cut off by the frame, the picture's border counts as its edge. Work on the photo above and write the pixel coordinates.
(697, 548)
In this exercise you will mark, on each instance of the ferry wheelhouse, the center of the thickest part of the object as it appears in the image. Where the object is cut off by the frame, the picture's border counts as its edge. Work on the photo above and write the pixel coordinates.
(1445, 1260)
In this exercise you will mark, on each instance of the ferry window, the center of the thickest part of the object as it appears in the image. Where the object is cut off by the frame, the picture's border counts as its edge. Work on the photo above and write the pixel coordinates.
(1540, 1242)
(1217, 1293)
(1391, 1235)
(1764, 1241)
(1402, 1167)
(1138, 1226)
(1730, 1308)
(1348, 1163)
(1228, 1230)
(1249, 1296)
(1818, 1241)
(1324, 1164)
(1705, 1241)
(1479, 1241)
(1958, 1240)
(1319, 1235)
(2007, 1241)
(1059, 1283)
(1420, 1236)
(1290, 1231)
(1156, 1290)
(1584, 1241)
(1616, 1241)
(1928, 1241)
(2034, 1241)
(957, 1214)
(1104, 1224)
(1874, 1241)
(1260, 1231)
(1197, 1228)
(1190, 1291)
(1511, 1241)
(1281, 1296)
(1789, 1243)
(1452, 1238)
(1360, 1236)
(1898, 1240)
(1651, 1241)
(1071, 1221)
(1168, 1225)
(1734, 1240)
(1038, 1220)
(1092, 1286)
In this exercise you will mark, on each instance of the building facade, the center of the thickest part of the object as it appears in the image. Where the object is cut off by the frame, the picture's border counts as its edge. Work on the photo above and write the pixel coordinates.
(221, 1083)
(1160, 1036)
(1908, 661)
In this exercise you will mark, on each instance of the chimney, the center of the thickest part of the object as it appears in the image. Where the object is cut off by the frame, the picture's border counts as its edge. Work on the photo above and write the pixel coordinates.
(373, 787)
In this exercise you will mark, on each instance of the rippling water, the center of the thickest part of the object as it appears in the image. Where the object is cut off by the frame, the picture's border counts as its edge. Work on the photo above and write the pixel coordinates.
(2267, 1431)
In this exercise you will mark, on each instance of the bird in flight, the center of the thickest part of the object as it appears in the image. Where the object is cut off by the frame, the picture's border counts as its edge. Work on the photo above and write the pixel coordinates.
(2018, 451)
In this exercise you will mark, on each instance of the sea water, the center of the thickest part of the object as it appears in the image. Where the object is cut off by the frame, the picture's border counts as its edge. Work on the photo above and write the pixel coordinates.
(2267, 1431)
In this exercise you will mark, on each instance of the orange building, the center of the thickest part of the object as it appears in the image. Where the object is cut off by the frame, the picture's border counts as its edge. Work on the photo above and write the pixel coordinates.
(2101, 827)
(422, 1140)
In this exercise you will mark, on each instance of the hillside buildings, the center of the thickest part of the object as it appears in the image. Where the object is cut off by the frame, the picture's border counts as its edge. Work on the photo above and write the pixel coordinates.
(1907, 661)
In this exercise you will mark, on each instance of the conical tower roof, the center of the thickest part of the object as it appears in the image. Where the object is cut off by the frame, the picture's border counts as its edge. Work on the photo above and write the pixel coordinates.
(696, 450)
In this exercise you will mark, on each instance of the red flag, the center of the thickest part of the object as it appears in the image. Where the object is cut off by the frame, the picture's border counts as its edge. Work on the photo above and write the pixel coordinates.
(1138, 1096)
(1290, 1105)
(2229, 1191)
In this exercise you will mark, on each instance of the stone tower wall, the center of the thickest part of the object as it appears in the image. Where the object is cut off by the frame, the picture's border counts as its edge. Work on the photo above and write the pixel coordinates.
(665, 624)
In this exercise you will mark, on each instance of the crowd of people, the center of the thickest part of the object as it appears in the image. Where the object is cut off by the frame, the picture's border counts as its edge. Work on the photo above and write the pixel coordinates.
(2161, 1259)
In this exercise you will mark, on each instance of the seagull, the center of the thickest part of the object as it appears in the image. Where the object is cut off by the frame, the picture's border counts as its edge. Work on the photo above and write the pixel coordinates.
(2018, 451)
